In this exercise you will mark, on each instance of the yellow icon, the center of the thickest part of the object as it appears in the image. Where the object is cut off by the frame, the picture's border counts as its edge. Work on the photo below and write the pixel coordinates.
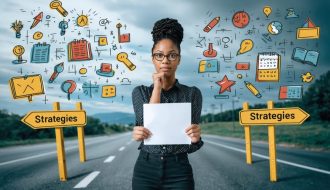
(19, 51)
(82, 71)
(103, 41)
(246, 45)
(267, 10)
(82, 20)
(26, 86)
(268, 67)
(252, 89)
(58, 6)
(308, 31)
(307, 77)
(123, 57)
(37, 35)
(108, 91)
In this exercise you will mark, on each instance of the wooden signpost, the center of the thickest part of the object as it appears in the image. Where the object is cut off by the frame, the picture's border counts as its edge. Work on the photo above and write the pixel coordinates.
(270, 117)
(58, 119)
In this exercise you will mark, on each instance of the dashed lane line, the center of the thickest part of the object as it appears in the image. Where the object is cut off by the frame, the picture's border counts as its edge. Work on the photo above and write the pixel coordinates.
(109, 159)
(87, 180)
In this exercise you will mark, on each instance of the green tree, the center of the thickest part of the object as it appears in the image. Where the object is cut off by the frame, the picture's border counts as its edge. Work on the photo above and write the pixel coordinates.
(316, 100)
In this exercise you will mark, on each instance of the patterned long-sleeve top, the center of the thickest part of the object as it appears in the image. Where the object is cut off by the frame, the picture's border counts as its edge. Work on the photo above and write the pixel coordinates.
(179, 93)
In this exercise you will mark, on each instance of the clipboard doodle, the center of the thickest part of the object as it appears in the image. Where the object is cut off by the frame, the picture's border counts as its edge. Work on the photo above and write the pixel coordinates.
(40, 53)
(79, 50)
(26, 86)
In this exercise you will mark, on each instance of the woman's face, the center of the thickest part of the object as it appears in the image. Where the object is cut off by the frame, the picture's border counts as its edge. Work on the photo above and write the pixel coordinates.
(166, 57)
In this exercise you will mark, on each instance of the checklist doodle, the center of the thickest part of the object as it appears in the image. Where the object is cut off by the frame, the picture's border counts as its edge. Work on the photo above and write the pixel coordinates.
(40, 53)
(79, 50)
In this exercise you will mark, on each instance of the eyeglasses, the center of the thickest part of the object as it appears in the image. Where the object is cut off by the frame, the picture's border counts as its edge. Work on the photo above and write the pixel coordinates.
(161, 57)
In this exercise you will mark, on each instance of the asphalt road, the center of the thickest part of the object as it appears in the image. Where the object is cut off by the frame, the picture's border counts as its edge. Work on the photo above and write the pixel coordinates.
(220, 164)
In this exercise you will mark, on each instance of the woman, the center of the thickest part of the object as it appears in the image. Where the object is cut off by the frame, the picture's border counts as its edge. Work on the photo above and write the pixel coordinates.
(165, 166)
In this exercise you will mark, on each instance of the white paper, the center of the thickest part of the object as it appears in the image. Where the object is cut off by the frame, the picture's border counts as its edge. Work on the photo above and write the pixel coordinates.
(167, 123)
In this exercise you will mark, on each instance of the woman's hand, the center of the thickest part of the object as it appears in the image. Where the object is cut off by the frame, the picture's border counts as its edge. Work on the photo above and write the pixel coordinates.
(140, 133)
(194, 132)
(158, 79)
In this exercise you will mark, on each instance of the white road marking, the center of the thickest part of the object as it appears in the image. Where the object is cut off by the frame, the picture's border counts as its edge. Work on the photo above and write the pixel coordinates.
(266, 157)
(109, 159)
(122, 148)
(52, 152)
(35, 156)
(87, 180)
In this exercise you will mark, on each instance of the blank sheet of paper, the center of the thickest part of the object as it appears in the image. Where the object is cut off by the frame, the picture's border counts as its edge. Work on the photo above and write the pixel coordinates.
(167, 123)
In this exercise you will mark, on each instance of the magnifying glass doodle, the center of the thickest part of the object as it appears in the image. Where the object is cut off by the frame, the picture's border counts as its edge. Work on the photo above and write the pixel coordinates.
(68, 86)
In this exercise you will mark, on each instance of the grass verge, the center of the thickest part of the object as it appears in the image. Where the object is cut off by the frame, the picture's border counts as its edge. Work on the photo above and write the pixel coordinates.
(315, 136)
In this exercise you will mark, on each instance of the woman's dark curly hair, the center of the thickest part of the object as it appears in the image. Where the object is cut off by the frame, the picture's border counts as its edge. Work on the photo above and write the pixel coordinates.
(167, 28)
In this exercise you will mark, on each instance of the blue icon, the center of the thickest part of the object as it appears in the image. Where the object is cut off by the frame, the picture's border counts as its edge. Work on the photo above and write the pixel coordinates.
(63, 25)
(40, 53)
(291, 14)
(303, 55)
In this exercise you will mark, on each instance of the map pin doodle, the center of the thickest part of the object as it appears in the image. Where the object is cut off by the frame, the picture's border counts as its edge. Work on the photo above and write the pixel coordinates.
(68, 86)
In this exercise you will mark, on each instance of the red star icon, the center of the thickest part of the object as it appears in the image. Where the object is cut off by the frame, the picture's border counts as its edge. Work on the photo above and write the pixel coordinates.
(225, 84)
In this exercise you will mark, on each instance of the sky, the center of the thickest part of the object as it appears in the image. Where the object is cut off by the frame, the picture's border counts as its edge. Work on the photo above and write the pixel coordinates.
(137, 19)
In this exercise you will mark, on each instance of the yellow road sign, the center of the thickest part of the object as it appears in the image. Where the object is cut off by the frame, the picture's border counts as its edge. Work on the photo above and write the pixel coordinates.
(54, 119)
(276, 116)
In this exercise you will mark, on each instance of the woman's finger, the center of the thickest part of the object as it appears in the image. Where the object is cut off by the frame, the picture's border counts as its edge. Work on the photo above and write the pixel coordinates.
(189, 128)
(147, 131)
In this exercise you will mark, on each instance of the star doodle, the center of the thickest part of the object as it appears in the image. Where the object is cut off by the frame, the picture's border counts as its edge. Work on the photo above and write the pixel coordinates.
(225, 84)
